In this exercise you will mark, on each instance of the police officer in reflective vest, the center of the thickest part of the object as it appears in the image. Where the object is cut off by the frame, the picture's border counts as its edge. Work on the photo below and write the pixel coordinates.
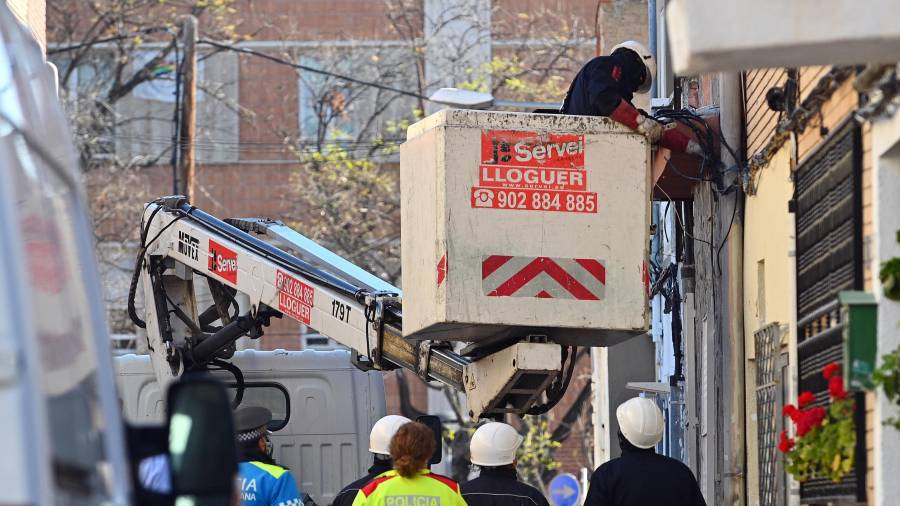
(379, 445)
(641, 477)
(493, 449)
(262, 481)
(410, 483)
(606, 85)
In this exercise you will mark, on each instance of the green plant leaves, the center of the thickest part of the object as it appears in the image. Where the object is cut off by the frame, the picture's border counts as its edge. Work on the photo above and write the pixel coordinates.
(890, 278)
(827, 450)
(887, 377)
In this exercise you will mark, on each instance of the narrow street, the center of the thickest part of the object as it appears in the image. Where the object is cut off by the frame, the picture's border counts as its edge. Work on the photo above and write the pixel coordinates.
(450, 253)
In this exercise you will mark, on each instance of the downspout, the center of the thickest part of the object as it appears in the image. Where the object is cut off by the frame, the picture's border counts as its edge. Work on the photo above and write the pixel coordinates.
(731, 324)
(651, 41)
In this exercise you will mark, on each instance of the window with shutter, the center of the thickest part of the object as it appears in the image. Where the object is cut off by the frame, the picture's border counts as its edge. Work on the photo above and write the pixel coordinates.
(829, 259)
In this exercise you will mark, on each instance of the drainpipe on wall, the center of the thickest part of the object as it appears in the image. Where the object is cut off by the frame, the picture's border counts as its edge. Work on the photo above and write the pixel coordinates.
(731, 324)
(651, 42)
(600, 405)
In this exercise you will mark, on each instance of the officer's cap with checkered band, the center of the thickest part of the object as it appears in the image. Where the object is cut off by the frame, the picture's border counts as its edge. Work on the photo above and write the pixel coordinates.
(251, 423)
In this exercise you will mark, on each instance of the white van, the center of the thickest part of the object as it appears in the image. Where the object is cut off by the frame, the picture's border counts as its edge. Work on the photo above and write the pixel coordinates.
(61, 433)
(323, 408)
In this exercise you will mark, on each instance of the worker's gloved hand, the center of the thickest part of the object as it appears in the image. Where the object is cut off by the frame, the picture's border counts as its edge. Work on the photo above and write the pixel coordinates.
(651, 128)
(629, 116)
(680, 142)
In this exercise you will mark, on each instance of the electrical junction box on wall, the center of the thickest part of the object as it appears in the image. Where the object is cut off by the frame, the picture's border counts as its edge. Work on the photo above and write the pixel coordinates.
(520, 224)
(712, 35)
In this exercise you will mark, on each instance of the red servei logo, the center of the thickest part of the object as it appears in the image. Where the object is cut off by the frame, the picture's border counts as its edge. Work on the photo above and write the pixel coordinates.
(222, 262)
(533, 171)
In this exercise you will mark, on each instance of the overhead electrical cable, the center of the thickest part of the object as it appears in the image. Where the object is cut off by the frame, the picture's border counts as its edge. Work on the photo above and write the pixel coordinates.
(307, 68)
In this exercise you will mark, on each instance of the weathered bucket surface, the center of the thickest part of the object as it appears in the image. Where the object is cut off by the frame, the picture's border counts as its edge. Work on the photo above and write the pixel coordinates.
(516, 224)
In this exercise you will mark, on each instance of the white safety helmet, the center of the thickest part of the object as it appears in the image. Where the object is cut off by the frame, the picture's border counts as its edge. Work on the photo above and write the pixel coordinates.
(494, 444)
(640, 421)
(646, 57)
(382, 432)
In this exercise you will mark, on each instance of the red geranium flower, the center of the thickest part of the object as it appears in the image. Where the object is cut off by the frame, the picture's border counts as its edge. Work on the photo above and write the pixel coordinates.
(808, 419)
(806, 398)
(789, 410)
(816, 415)
(802, 428)
(785, 444)
(836, 387)
(829, 370)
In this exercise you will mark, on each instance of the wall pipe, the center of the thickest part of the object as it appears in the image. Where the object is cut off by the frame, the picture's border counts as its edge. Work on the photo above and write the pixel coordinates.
(651, 41)
(731, 318)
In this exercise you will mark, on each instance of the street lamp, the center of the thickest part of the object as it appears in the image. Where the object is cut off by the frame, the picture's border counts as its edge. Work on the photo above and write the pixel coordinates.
(467, 99)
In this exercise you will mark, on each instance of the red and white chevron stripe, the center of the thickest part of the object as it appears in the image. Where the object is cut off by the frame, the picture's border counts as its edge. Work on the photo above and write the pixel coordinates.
(543, 277)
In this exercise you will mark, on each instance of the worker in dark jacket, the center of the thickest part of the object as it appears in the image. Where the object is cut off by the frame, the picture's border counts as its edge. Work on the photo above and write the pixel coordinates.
(641, 477)
(380, 446)
(606, 85)
(493, 449)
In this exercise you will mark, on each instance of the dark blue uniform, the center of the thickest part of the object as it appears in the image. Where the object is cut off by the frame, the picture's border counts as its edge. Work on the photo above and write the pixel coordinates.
(603, 83)
(267, 485)
(643, 478)
(501, 487)
(346, 496)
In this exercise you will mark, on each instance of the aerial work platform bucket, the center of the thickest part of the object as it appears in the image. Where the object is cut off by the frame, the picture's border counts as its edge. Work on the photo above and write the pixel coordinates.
(524, 224)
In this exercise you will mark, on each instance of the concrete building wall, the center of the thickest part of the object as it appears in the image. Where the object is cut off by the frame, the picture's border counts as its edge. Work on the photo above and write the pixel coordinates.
(769, 266)
(768, 288)
(886, 210)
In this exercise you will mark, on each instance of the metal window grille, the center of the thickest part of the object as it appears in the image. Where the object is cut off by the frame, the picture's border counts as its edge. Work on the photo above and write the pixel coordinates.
(829, 223)
(769, 403)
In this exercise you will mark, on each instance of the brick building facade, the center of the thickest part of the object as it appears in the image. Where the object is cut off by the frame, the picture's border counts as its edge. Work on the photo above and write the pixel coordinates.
(253, 114)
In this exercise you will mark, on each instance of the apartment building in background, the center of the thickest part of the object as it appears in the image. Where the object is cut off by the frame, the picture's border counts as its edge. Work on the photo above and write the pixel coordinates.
(256, 118)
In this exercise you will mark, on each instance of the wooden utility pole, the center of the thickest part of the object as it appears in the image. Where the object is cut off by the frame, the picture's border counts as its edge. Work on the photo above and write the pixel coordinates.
(187, 136)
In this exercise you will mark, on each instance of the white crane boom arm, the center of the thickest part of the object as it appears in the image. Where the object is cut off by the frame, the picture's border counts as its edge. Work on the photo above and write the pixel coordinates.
(182, 244)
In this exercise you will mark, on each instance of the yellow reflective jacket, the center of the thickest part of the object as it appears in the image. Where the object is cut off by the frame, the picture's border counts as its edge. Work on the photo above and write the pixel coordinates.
(424, 489)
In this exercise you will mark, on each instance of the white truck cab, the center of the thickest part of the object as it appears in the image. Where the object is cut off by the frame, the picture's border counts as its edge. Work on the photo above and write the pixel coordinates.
(323, 408)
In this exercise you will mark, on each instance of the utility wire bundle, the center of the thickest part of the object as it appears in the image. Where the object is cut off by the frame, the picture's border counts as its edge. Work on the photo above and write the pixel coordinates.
(706, 138)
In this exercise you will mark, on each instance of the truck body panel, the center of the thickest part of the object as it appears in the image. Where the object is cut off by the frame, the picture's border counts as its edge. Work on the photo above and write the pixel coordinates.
(332, 407)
